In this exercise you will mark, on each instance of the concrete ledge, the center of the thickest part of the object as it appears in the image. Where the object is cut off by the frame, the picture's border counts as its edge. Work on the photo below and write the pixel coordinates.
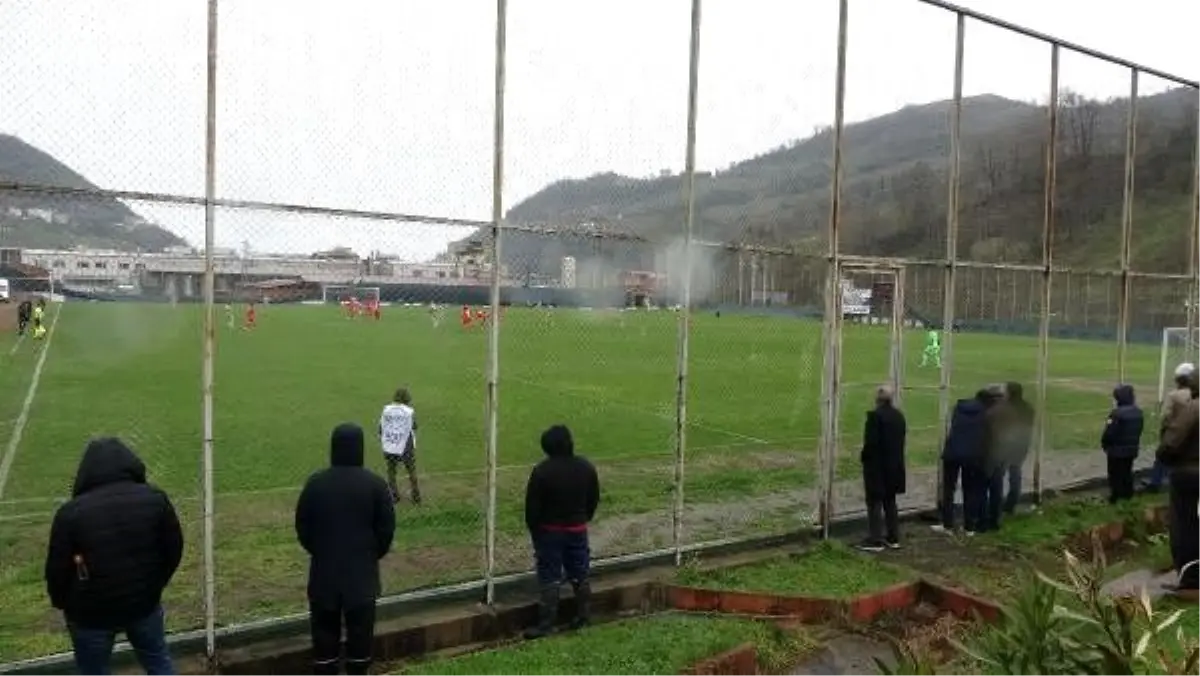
(741, 660)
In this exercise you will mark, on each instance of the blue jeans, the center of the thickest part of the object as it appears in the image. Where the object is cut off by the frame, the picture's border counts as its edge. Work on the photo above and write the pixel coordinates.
(558, 552)
(1014, 488)
(148, 637)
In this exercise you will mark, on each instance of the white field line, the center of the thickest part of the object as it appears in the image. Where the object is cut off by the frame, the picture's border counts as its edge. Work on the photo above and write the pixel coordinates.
(14, 440)
(13, 350)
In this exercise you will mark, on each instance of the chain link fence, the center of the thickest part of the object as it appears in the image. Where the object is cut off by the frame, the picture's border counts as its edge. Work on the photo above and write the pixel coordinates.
(712, 336)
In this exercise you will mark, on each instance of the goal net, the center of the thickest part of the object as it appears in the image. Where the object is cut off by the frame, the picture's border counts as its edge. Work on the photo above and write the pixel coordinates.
(1179, 344)
(337, 293)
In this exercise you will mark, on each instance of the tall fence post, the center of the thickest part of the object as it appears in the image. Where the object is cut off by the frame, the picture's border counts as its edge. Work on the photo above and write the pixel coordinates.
(493, 355)
(1043, 364)
(685, 314)
(832, 329)
(950, 274)
(1193, 311)
(1127, 226)
(210, 188)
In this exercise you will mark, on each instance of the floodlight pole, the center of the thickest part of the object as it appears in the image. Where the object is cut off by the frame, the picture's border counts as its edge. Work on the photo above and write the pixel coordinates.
(1043, 363)
(950, 271)
(1127, 227)
(685, 312)
(210, 184)
(493, 353)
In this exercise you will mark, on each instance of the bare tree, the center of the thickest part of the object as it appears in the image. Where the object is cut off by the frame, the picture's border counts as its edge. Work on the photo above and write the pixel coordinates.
(1080, 116)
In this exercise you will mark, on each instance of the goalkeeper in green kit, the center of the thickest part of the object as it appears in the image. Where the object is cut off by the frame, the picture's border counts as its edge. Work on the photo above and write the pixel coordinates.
(933, 349)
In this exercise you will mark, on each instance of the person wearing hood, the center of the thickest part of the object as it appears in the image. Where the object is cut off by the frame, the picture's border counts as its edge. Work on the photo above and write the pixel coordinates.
(963, 458)
(346, 523)
(1121, 441)
(561, 498)
(113, 549)
(1013, 424)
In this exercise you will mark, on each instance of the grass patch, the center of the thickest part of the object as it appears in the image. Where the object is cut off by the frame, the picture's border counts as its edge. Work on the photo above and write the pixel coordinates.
(661, 644)
(830, 570)
(1062, 518)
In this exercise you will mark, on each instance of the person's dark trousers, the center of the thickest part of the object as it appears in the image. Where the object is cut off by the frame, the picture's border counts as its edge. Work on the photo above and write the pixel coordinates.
(993, 498)
(1120, 479)
(561, 555)
(883, 519)
(1158, 476)
(148, 637)
(1014, 488)
(409, 460)
(1185, 539)
(975, 491)
(326, 625)
(952, 471)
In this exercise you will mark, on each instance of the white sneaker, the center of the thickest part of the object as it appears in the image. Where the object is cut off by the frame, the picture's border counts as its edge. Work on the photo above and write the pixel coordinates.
(938, 528)
(970, 533)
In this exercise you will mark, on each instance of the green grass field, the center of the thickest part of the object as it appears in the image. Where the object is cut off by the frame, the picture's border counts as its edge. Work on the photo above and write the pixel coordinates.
(133, 370)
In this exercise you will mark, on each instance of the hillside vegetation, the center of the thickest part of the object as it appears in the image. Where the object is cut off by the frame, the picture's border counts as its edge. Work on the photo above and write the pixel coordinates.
(895, 192)
(30, 219)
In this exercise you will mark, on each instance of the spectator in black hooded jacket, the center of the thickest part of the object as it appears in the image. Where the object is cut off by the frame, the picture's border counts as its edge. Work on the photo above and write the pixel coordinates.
(113, 548)
(560, 500)
(1121, 441)
(345, 521)
(963, 456)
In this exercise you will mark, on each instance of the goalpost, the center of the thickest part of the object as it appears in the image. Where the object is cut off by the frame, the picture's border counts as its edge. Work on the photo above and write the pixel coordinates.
(336, 293)
(1179, 344)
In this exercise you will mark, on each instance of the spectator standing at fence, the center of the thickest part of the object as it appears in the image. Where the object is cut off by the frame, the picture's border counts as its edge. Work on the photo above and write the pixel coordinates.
(345, 521)
(883, 470)
(962, 462)
(1014, 424)
(398, 436)
(113, 548)
(1173, 404)
(1121, 441)
(1179, 452)
(561, 498)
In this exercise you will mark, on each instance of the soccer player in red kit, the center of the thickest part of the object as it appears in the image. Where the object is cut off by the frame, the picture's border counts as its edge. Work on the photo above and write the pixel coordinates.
(251, 317)
(466, 316)
(374, 309)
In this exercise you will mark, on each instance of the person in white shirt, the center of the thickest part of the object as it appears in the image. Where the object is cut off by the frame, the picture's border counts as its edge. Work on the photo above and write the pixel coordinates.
(398, 435)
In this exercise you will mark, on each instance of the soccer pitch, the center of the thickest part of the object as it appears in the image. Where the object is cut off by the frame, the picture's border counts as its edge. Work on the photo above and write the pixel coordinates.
(133, 370)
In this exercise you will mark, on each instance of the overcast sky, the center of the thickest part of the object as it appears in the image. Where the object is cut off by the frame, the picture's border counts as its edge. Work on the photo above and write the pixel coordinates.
(387, 104)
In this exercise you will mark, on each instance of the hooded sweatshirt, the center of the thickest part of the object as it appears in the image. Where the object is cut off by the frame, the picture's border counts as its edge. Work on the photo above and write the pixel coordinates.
(115, 545)
(1122, 437)
(966, 441)
(346, 522)
(563, 489)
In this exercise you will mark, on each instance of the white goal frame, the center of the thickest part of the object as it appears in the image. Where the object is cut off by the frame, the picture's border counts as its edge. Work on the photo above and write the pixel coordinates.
(331, 292)
(1166, 364)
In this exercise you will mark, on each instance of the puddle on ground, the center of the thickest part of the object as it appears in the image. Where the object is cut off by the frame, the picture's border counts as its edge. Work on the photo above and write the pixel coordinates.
(847, 654)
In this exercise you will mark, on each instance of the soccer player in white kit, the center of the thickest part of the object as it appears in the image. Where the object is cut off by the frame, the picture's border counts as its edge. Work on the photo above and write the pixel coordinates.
(398, 435)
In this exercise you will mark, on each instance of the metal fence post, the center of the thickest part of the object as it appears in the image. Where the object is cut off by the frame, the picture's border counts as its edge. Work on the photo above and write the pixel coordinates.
(1127, 226)
(493, 356)
(210, 186)
(1047, 267)
(950, 275)
(832, 329)
(1193, 312)
(685, 313)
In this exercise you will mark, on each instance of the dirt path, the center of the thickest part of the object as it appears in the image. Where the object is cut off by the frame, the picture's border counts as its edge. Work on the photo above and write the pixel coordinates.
(787, 510)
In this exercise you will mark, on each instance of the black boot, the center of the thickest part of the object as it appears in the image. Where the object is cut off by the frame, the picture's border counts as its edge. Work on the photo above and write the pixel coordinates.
(547, 613)
(583, 601)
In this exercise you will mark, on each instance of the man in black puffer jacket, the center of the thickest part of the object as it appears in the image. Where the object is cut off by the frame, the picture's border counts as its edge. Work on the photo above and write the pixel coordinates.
(346, 522)
(113, 549)
(560, 500)
(1121, 441)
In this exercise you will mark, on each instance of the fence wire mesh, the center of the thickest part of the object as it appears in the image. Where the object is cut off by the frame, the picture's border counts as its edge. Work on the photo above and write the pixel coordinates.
(352, 255)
